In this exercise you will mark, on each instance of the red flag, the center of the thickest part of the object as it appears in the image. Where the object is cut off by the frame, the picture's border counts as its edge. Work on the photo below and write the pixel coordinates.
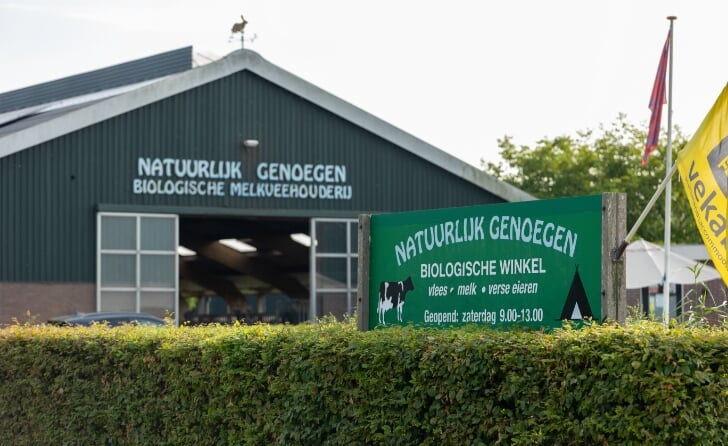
(657, 99)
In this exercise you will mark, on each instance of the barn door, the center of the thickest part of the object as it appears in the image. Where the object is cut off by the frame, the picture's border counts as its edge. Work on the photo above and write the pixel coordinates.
(333, 267)
(137, 263)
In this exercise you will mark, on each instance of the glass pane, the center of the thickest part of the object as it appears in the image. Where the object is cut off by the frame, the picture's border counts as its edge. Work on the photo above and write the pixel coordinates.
(118, 232)
(657, 304)
(118, 270)
(354, 272)
(331, 273)
(354, 228)
(118, 301)
(157, 234)
(160, 304)
(331, 237)
(331, 304)
(157, 271)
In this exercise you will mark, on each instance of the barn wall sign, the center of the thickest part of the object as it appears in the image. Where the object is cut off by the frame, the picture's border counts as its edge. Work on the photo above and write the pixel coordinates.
(532, 264)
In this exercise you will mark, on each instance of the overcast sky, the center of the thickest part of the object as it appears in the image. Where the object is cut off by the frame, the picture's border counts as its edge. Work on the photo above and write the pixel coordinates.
(457, 74)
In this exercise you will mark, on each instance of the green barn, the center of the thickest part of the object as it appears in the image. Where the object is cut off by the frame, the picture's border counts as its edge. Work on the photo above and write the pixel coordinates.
(216, 192)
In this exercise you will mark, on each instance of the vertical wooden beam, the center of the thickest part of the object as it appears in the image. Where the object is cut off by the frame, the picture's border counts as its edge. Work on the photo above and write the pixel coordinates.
(362, 298)
(614, 228)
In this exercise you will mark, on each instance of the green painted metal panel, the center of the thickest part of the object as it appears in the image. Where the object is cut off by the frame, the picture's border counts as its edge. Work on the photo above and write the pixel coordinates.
(530, 264)
(50, 193)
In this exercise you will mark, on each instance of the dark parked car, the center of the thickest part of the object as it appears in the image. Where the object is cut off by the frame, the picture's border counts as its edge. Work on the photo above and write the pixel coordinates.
(110, 318)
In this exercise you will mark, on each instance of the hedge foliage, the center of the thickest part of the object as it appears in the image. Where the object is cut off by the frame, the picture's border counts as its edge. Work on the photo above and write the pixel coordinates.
(328, 384)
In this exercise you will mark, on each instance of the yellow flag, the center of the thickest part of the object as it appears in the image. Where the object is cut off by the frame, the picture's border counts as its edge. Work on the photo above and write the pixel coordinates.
(703, 166)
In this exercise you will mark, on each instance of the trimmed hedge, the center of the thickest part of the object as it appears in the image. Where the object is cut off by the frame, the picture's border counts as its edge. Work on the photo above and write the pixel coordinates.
(329, 384)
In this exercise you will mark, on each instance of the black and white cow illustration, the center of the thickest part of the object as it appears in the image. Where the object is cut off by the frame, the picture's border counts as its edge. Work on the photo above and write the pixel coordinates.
(392, 294)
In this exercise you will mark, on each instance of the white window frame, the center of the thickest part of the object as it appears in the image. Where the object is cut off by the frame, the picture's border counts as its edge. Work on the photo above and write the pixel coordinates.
(138, 252)
(350, 291)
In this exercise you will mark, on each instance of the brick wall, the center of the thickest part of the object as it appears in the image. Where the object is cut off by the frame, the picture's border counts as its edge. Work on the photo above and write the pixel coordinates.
(718, 296)
(44, 300)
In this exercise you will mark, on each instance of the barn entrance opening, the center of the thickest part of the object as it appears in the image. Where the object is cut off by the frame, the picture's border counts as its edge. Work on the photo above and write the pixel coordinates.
(265, 269)
(243, 269)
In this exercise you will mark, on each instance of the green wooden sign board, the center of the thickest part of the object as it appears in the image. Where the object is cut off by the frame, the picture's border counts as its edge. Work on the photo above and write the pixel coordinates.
(532, 264)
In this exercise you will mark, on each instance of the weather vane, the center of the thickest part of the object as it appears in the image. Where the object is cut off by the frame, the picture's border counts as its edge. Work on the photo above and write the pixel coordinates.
(240, 28)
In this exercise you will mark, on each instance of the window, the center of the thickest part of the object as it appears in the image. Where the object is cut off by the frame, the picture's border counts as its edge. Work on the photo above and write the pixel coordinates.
(137, 263)
(333, 266)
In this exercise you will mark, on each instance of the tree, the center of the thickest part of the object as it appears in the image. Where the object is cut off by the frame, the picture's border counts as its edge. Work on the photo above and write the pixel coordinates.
(595, 162)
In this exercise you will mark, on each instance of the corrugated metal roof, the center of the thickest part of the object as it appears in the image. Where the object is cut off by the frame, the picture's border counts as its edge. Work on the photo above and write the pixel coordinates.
(36, 117)
(136, 71)
(17, 120)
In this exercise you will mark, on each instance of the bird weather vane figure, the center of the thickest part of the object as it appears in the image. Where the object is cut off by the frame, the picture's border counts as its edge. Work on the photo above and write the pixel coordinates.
(240, 28)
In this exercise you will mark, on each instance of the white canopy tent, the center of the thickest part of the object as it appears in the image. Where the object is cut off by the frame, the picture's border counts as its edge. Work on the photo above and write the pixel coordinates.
(646, 266)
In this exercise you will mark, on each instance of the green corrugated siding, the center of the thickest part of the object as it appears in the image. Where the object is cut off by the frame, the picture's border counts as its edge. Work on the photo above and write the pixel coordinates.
(50, 193)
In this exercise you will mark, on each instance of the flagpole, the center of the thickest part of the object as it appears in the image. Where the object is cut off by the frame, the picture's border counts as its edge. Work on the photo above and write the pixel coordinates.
(668, 188)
